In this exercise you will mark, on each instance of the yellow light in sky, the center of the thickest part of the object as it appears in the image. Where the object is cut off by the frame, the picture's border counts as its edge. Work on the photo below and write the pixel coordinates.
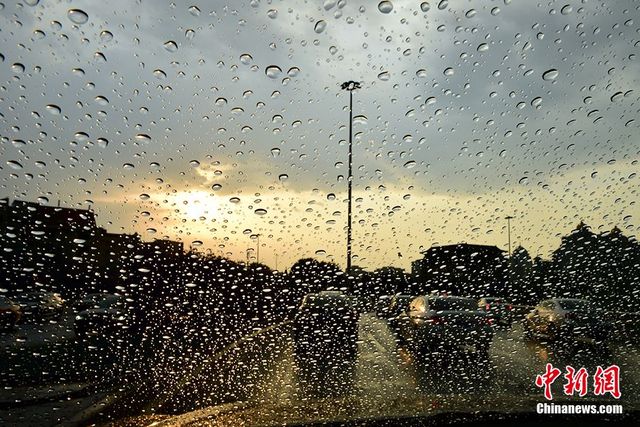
(196, 204)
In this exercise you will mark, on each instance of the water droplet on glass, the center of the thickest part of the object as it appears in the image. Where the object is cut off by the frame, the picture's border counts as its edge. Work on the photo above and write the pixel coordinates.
(283, 177)
(320, 26)
(421, 73)
(550, 75)
(102, 142)
(470, 13)
(385, 6)
(272, 13)
(144, 196)
(106, 36)
(143, 137)
(77, 16)
(170, 46)
(159, 74)
(194, 10)
(13, 164)
(194, 163)
(328, 4)
(448, 71)
(53, 109)
(17, 68)
(101, 100)
(360, 119)
(246, 59)
(566, 9)
(384, 76)
(443, 4)
(616, 97)
(31, 2)
(189, 34)
(425, 6)
(495, 11)
(260, 211)
(483, 47)
(410, 164)
(293, 71)
(81, 136)
(273, 71)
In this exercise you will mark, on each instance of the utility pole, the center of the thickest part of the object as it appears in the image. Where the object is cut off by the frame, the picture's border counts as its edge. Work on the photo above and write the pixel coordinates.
(258, 248)
(350, 86)
(509, 218)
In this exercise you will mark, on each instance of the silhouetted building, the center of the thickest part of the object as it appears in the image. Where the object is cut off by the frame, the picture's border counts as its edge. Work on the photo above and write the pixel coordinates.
(165, 247)
(45, 246)
(462, 269)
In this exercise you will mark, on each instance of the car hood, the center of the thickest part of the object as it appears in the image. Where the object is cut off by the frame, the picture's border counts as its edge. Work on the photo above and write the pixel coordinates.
(352, 410)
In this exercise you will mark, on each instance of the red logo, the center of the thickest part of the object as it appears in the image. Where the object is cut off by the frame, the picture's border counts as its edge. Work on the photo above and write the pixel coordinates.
(607, 381)
(545, 380)
(577, 381)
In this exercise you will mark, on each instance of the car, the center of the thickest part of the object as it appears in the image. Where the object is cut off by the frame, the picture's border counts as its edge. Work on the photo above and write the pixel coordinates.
(446, 323)
(108, 316)
(567, 320)
(382, 306)
(91, 300)
(326, 322)
(398, 305)
(40, 306)
(498, 309)
(10, 313)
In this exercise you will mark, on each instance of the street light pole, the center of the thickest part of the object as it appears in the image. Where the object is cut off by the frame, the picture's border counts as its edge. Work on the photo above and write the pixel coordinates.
(350, 86)
(509, 218)
(258, 249)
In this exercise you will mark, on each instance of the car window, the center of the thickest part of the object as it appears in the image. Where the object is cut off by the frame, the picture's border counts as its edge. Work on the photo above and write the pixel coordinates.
(441, 304)
(575, 305)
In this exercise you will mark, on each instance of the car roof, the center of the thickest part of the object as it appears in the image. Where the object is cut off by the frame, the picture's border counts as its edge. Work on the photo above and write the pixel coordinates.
(432, 297)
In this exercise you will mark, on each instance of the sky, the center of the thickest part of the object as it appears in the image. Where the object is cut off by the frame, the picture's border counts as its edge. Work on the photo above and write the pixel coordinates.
(212, 122)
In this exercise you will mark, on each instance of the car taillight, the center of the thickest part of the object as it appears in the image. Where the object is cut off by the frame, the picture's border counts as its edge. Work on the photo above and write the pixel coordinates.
(488, 321)
(509, 307)
(435, 320)
(487, 306)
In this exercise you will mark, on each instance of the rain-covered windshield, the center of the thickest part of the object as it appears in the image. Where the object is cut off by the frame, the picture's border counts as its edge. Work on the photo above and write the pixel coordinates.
(256, 211)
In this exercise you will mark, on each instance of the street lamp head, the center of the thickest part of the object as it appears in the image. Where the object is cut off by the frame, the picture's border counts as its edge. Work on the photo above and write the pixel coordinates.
(350, 85)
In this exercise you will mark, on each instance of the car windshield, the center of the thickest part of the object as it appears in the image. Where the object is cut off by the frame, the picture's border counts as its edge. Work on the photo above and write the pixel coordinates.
(278, 212)
(577, 305)
(453, 304)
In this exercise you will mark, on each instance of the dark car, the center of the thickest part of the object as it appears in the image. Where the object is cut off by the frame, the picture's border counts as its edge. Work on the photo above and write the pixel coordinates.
(499, 310)
(567, 319)
(10, 313)
(398, 305)
(107, 317)
(437, 323)
(326, 322)
(40, 306)
(382, 306)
